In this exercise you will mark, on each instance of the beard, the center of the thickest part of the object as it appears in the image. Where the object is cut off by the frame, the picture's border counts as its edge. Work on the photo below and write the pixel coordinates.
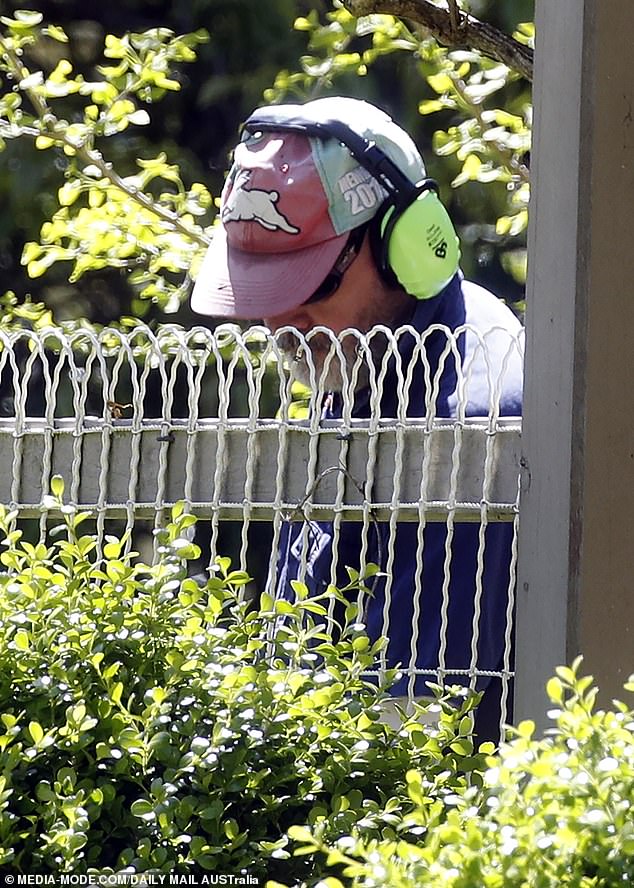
(349, 361)
(328, 363)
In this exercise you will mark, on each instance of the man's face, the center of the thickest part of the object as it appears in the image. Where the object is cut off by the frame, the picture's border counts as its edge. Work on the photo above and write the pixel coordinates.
(362, 301)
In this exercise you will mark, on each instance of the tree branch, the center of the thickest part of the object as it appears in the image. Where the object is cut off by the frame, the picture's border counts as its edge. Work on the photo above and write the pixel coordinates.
(440, 23)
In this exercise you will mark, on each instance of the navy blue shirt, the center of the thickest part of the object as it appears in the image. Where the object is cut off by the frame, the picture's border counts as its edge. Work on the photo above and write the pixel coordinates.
(491, 323)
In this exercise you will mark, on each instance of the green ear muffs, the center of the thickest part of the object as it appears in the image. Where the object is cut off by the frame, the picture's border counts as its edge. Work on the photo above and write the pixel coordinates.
(414, 242)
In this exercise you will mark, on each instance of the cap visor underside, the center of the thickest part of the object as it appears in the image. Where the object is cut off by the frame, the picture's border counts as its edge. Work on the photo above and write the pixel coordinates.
(244, 285)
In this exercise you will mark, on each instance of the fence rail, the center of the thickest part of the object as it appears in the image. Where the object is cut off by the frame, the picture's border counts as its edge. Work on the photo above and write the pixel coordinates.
(231, 467)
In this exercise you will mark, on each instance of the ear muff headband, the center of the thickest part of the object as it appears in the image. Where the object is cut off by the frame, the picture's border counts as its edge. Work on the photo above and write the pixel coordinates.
(412, 237)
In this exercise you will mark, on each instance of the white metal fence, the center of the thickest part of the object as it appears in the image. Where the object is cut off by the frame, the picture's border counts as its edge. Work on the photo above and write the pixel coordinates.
(135, 421)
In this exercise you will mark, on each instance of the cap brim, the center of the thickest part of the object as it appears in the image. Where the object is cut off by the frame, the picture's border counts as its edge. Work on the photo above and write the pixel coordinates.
(244, 285)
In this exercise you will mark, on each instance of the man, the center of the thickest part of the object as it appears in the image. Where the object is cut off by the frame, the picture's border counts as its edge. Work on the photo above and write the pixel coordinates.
(328, 220)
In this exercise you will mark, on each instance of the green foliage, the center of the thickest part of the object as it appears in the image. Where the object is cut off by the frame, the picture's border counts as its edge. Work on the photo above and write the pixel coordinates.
(147, 222)
(333, 52)
(552, 812)
(491, 141)
(152, 722)
(16, 315)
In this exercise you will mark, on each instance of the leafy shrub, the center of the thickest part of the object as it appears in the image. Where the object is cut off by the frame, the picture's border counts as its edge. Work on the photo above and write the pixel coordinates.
(551, 812)
(154, 724)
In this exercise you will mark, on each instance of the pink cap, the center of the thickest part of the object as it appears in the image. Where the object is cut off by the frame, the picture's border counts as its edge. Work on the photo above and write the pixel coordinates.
(276, 241)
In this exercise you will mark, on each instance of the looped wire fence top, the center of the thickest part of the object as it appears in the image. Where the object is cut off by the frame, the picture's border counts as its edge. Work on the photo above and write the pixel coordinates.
(137, 420)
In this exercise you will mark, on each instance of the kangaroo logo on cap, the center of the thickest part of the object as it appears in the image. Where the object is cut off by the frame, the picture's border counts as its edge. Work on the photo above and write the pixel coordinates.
(255, 205)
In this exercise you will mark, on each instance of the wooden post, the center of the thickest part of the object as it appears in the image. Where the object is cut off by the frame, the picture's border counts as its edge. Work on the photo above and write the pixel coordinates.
(576, 561)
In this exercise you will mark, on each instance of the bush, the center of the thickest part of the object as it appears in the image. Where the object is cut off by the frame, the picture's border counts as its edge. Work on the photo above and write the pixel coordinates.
(154, 724)
(551, 812)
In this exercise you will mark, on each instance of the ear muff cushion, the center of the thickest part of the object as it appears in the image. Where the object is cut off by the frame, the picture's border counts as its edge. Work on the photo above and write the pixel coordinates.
(416, 246)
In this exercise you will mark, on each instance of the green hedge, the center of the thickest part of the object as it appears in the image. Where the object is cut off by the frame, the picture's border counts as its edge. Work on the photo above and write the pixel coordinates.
(551, 812)
(152, 724)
